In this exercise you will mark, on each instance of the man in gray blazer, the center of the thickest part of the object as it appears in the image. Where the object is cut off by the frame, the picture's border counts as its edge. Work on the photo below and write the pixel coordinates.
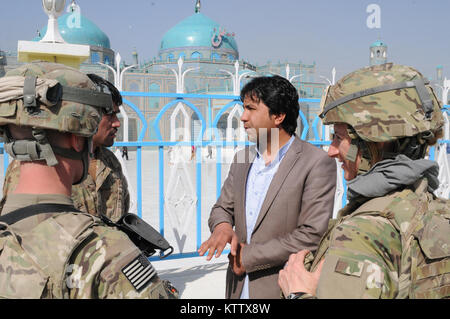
(278, 195)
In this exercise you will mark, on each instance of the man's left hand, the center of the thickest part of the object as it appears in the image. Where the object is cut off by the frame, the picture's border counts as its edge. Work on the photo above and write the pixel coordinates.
(236, 260)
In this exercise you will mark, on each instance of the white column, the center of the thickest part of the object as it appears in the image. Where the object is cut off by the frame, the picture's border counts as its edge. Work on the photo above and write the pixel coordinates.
(118, 83)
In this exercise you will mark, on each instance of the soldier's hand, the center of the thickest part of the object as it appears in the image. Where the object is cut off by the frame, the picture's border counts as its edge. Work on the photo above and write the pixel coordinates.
(221, 236)
(295, 278)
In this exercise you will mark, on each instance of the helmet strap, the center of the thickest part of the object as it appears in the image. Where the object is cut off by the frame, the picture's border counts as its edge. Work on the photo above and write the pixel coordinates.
(364, 166)
(414, 147)
(40, 149)
(72, 154)
(30, 150)
(419, 84)
(356, 145)
(46, 149)
(352, 152)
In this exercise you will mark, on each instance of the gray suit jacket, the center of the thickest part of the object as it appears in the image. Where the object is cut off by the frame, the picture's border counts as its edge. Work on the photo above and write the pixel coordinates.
(293, 216)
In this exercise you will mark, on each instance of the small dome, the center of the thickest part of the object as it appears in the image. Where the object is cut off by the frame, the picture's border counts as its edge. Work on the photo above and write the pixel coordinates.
(82, 31)
(378, 44)
(198, 31)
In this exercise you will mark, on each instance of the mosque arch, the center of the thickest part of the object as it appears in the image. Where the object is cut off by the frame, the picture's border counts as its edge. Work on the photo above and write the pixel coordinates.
(151, 133)
(196, 55)
(95, 57)
(154, 101)
(172, 88)
(196, 126)
(215, 56)
(133, 86)
(222, 125)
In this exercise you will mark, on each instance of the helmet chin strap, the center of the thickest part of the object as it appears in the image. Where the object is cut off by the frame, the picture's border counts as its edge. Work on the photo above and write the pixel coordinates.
(72, 154)
(414, 147)
(40, 149)
(358, 144)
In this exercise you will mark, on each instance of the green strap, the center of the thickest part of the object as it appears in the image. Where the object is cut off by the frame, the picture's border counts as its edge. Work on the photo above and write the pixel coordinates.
(46, 149)
(27, 150)
(29, 93)
(85, 96)
(37, 209)
(65, 93)
(419, 85)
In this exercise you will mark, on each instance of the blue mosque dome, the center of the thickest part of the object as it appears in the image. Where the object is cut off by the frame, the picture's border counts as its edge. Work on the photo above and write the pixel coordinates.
(79, 30)
(196, 31)
(378, 43)
(196, 36)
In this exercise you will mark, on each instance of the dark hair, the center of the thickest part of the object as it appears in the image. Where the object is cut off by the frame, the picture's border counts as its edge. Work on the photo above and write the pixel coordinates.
(101, 82)
(278, 94)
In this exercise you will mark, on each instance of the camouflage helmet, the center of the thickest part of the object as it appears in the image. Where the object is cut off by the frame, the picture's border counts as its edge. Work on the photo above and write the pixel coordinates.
(384, 103)
(51, 96)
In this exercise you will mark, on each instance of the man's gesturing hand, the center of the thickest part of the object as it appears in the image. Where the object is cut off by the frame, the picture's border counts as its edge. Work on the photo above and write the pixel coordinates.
(222, 235)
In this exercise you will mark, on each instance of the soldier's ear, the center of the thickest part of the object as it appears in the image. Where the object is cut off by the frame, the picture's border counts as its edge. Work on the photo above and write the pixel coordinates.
(77, 142)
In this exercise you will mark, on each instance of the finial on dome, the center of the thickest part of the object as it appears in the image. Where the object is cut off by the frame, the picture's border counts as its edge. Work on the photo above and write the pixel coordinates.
(198, 6)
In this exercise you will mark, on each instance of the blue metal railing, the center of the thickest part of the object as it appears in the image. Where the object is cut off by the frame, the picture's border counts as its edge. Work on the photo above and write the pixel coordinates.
(208, 125)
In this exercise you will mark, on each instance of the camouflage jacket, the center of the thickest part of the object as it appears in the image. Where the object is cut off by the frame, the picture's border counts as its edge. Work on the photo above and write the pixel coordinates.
(378, 249)
(10, 181)
(72, 255)
(107, 193)
(105, 189)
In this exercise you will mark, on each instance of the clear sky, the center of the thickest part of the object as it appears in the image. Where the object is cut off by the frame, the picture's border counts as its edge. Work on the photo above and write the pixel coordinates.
(329, 32)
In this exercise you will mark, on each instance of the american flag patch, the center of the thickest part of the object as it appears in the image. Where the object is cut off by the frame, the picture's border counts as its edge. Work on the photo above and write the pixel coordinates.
(139, 272)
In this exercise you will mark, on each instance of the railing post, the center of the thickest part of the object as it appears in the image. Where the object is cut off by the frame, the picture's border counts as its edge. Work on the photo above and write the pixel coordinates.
(139, 180)
(198, 159)
(161, 189)
(218, 170)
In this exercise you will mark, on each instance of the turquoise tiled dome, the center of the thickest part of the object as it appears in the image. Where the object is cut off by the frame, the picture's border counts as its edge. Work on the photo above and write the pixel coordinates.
(196, 31)
(86, 32)
(378, 44)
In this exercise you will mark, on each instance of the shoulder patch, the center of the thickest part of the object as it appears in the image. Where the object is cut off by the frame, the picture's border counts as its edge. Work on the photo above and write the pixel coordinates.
(139, 272)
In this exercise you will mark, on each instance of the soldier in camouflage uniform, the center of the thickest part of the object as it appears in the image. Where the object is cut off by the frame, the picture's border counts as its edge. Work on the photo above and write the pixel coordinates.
(48, 115)
(105, 189)
(392, 239)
